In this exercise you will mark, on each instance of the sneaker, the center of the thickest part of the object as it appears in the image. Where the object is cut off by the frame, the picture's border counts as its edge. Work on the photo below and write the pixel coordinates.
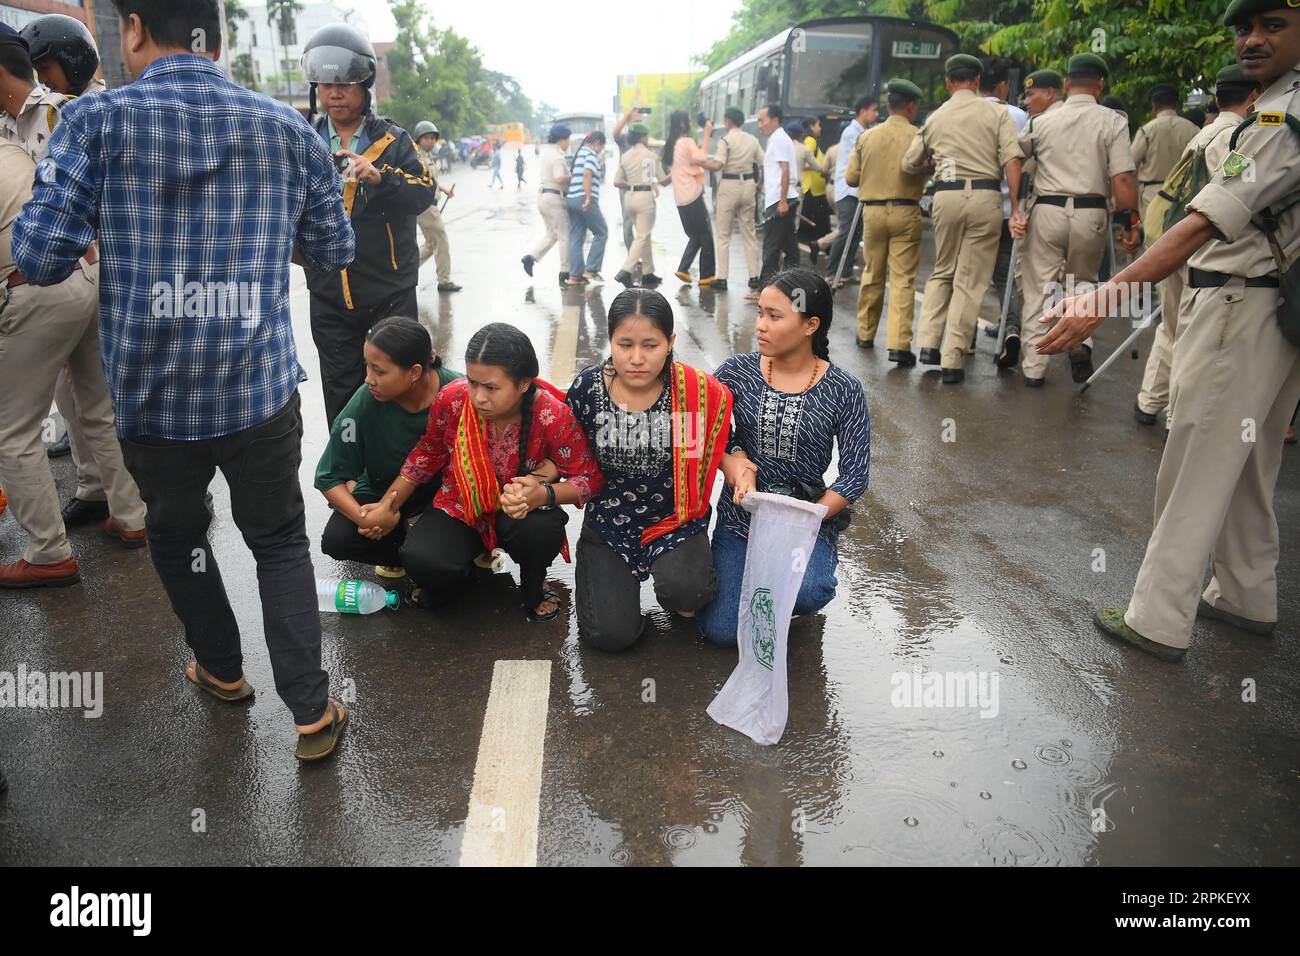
(20, 574)
(1110, 620)
(528, 264)
(130, 539)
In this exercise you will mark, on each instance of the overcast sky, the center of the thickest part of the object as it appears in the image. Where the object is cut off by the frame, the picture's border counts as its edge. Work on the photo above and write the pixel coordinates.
(573, 64)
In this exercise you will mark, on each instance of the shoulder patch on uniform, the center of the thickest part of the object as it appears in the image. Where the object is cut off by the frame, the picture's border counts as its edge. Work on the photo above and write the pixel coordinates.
(1271, 119)
(1234, 164)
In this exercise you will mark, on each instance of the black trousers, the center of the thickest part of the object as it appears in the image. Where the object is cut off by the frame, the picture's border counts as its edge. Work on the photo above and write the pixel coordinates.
(818, 209)
(440, 550)
(1001, 276)
(340, 338)
(343, 542)
(844, 211)
(779, 237)
(261, 467)
(609, 594)
(699, 236)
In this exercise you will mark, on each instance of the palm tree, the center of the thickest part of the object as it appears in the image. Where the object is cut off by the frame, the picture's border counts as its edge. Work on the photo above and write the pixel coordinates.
(279, 17)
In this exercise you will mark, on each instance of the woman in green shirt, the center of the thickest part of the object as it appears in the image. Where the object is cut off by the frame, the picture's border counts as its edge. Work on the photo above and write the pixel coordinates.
(372, 437)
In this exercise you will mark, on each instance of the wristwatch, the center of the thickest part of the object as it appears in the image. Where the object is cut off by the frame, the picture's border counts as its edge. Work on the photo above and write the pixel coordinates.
(550, 497)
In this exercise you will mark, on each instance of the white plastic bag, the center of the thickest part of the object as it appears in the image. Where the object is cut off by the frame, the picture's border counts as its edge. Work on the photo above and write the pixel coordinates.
(782, 532)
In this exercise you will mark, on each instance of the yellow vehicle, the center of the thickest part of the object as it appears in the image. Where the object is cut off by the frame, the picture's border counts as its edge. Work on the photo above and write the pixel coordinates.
(502, 133)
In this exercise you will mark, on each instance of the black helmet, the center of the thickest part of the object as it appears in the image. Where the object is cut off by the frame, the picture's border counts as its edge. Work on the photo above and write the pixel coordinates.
(67, 40)
(338, 53)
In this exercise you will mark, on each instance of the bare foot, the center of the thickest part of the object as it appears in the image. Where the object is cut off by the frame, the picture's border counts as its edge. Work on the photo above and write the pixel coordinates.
(324, 721)
(192, 670)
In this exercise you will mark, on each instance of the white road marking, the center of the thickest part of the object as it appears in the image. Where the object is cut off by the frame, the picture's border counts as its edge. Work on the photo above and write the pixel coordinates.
(501, 829)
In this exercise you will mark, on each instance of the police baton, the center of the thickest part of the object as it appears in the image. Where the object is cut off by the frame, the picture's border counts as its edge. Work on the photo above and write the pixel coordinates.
(1146, 323)
(1009, 291)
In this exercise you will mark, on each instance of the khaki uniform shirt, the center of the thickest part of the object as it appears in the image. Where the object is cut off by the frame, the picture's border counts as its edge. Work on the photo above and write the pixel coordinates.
(1079, 148)
(1158, 145)
(876, 165)
(639, 166)
(17, 176)
(1270, 180)
(1214, 140)
(739, 152)
(35, 123)
(554, 167)
(969, 135)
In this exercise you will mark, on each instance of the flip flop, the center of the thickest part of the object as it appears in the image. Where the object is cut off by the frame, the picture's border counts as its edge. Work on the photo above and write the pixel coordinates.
(323, 742)
(203, 682)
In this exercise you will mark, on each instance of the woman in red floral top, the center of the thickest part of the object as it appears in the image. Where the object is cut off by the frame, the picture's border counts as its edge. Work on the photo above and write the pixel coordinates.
(480, 430)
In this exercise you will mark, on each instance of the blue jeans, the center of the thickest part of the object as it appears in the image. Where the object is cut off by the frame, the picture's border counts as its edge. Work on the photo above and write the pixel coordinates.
(579, 222)
(720, 619)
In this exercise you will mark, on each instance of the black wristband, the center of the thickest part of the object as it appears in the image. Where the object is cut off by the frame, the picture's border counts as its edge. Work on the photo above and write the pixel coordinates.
(550, 496)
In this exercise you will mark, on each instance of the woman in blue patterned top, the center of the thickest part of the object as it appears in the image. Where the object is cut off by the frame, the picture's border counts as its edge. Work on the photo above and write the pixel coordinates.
(659, 429)
(791, 406)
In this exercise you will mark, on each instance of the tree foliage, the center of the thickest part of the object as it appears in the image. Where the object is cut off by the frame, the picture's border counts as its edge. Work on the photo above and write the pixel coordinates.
(438, 75)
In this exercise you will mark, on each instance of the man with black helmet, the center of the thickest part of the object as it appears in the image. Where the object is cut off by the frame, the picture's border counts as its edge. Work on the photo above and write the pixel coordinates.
(426, 138)
(385, 188)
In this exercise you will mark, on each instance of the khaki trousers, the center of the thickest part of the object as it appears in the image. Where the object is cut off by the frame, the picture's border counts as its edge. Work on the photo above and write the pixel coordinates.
(435, 242)
(735, 204)
(43, 329)
(966, 227)
(1062, 249)
(1236, 381)
(90, 485)
(556, 217)
(639, 208)
(1154, 395)
(891, 245)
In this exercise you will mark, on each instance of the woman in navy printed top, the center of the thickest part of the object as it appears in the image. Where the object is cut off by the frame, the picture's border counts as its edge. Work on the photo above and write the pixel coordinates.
(791, 406)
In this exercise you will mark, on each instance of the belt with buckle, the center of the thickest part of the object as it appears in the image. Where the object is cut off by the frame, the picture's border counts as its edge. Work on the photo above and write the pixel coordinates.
(890, 202)
(1150, 182)
(17, 279)
(555, 191)
(1200, 279)
(740, 176)
(1080, 202)
(642, 189)
(945, 185)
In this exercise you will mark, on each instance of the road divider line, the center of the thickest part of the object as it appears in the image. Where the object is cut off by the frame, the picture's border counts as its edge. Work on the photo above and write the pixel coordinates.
(501, 828)
(564, 349)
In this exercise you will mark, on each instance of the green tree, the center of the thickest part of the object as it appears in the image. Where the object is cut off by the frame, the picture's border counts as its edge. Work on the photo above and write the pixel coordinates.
(279, 17)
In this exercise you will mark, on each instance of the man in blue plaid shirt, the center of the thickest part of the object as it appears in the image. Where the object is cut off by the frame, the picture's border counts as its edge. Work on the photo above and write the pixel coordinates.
(199, 192)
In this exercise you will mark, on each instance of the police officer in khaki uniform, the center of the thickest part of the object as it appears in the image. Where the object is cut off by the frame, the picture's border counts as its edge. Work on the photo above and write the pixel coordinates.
(640, 174)
(1234, 93)
(1081, 154)
(1160, 142)
(739, 157)
(1236, 377)
(891, 222)
(967, 142)
(426, 138)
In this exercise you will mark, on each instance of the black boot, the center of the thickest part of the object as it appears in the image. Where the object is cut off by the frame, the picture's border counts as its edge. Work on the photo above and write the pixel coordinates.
(528, 264)
(905, 358)
(1010, 353)
(930, 357)
(78, 512)
(625, 278)
(952, 376)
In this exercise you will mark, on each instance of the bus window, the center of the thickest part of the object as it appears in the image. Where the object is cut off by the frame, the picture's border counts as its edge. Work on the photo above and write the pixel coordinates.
(745, 97)
(830, 65)
(916, 53)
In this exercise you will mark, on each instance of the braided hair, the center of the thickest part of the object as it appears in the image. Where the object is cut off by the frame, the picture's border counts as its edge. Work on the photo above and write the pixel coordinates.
(512, 351)
(643, 303)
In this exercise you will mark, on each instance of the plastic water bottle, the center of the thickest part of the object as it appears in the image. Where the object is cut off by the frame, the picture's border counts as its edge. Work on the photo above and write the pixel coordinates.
(345, 596)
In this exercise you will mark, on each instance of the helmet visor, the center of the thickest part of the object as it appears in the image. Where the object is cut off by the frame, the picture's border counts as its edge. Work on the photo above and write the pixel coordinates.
(336, 64)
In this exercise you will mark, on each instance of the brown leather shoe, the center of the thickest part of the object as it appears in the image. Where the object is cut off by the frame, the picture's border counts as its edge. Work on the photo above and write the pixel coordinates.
(129, 539)
(20, 574)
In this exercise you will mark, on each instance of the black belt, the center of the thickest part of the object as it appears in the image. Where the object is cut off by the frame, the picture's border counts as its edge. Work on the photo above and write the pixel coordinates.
(1080, 202)
(1199, 279)
(974, 184)
(741, 176)
(642, 189)
(1149, 182)
(556, 191)
(890, 202)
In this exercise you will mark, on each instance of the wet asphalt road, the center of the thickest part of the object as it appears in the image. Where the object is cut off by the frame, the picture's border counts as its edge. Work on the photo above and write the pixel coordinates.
(971, 555)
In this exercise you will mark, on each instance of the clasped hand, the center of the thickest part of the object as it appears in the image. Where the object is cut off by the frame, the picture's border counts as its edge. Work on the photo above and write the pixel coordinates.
(522, 495)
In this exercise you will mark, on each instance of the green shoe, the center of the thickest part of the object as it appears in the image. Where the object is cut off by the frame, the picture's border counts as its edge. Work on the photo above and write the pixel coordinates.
(1111, 622)
(1205, 609)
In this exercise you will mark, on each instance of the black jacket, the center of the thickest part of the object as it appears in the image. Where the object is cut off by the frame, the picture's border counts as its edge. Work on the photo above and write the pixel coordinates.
(383, 218)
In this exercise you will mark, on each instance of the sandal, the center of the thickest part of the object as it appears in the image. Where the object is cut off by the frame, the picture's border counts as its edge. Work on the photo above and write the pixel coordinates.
(413, 597)
(202, 681)
(551, 595)
(323, 742)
